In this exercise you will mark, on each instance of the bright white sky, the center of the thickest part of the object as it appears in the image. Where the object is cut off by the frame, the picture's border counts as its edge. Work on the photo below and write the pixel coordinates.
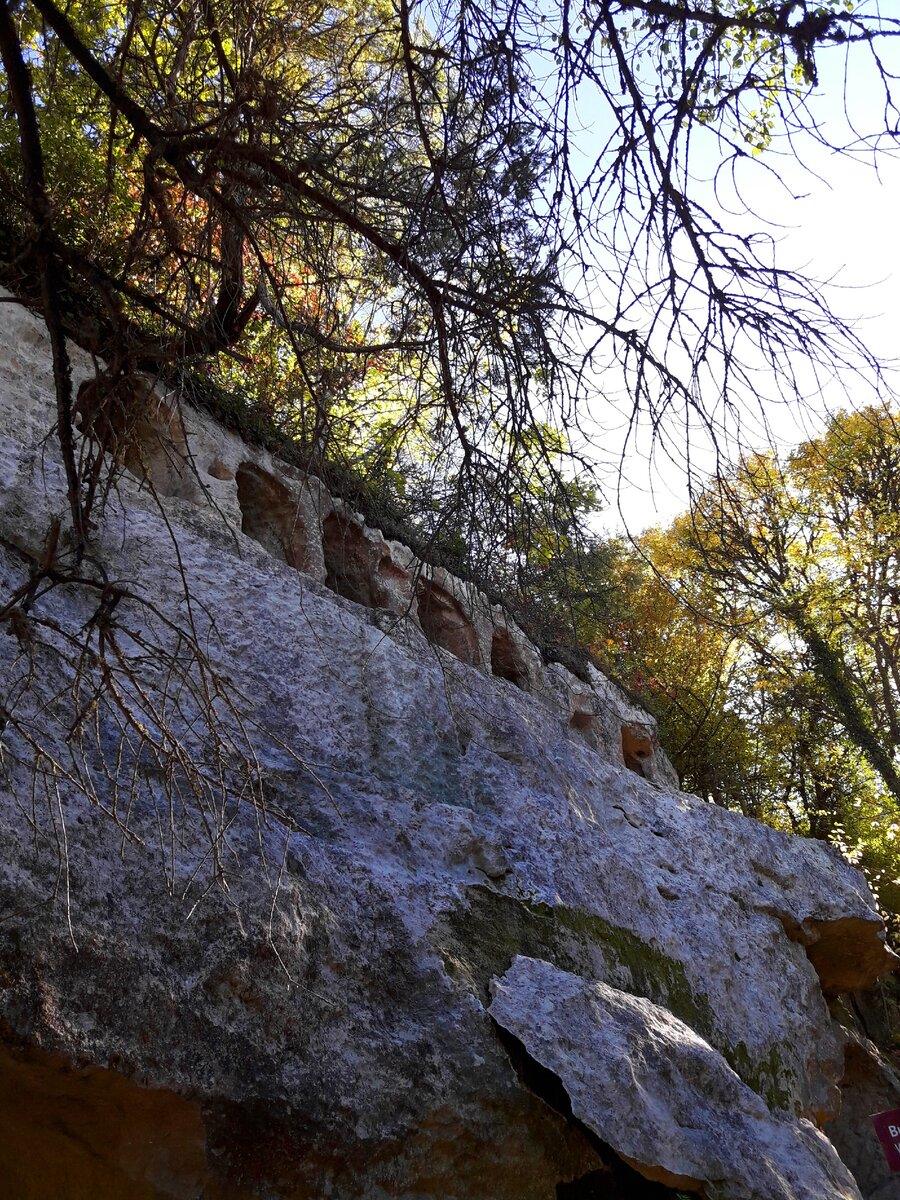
(844, 226)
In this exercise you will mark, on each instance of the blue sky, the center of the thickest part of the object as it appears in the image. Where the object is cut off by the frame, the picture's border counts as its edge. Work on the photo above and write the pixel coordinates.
(838, 219)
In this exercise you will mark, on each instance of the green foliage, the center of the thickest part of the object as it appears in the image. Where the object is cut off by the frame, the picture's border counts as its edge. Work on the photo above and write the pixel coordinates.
(763, 629)
(733, 64)
(308, 190)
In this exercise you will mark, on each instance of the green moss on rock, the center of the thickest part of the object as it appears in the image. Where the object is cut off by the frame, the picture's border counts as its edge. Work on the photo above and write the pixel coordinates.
(479, 939)
(769, 1077)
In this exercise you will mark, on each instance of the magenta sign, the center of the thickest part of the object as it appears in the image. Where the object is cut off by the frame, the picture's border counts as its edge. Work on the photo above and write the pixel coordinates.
(887, 1126)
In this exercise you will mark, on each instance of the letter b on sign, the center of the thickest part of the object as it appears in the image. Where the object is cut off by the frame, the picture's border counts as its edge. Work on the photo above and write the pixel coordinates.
(887, 1127)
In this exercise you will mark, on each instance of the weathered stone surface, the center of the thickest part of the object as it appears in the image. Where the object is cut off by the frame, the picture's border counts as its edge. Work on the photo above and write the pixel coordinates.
(647, 1085)
(305, 959)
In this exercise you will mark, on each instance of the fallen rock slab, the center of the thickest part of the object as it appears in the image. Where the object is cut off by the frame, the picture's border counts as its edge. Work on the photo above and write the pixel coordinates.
(659, 1095)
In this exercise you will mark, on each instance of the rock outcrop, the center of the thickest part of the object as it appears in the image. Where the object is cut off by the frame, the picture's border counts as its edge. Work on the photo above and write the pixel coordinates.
(311, 866)
(699, 1128)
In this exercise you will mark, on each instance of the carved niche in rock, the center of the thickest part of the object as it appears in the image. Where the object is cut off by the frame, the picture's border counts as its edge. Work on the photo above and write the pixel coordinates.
(445, 622)
(637, 748)
(271, 515)
(359, 568)
(507, 660)
(145, 435)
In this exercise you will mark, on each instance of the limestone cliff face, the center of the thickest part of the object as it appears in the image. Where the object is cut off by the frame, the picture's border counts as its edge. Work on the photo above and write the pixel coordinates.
(316, 881)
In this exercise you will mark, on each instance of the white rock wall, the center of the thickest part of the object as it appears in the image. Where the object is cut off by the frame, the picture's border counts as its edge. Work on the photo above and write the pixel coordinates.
(306, 960)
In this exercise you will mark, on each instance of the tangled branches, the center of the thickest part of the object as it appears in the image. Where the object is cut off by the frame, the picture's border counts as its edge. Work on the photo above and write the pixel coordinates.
(107, 697)
(425, 235)
(433, 241)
